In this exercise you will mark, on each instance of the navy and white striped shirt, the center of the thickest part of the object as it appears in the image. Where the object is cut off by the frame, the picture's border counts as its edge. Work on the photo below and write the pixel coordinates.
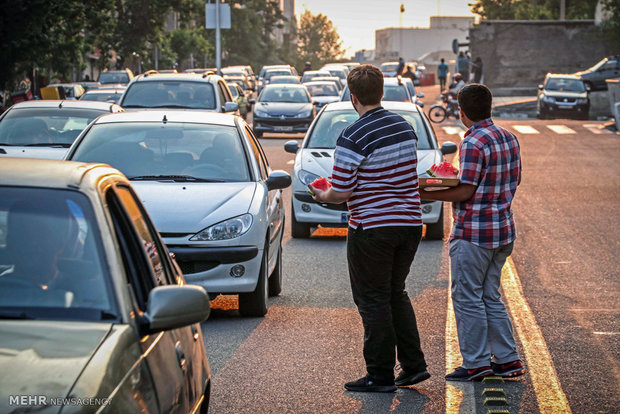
(376, 158)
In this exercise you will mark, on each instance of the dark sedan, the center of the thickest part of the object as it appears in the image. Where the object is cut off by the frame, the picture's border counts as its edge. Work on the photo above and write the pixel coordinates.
(283, 108)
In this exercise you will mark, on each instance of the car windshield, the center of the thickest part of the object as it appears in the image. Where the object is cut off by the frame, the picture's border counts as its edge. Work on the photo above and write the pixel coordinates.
(396, 93)
(322, 90)
(284, 79)
(51, 260)
(45, 127)
(172, 151)
(389, 67)
(113, 77)
(166, 94)
(330, 124)
(292, 95)
(565, 85)
(101, 97)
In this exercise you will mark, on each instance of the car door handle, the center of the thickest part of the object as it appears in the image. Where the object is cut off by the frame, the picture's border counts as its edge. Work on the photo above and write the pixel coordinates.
(180, 356)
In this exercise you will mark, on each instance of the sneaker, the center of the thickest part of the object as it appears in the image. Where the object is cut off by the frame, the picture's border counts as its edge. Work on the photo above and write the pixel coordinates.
(405, 378)
(367, 384)
(464, 374)
(509, 369)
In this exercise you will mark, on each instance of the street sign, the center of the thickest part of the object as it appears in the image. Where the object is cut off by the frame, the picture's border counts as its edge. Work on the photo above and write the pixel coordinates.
(210, 12)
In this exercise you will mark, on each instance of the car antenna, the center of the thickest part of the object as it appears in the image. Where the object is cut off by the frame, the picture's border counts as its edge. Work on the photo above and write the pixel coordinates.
(165, 119)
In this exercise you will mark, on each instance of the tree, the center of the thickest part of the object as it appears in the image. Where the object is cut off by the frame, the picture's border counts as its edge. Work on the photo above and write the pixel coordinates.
(612, 24)
(318, 40)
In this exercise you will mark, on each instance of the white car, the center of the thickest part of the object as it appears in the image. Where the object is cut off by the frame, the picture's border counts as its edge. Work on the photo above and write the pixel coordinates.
(315, 159)
(208, 187)
(47, 128)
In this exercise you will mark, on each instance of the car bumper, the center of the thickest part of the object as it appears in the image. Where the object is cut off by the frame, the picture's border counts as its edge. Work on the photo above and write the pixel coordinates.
(307, 210)
(210, 267)
(287, 125)
(576, 109)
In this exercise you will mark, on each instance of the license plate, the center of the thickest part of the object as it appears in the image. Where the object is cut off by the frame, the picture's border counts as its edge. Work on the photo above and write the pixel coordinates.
(564, 106)
(283, 128)
(344, 218)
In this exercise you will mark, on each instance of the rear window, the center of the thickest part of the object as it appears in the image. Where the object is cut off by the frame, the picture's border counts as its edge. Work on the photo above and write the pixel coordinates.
(170, 94)
(111, 77)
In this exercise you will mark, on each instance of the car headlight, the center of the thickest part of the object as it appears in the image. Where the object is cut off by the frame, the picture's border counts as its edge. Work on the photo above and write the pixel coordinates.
(582, 100)
(260, 113)
(306, 177)
(225, 230)
(547, 99)
(305, 114)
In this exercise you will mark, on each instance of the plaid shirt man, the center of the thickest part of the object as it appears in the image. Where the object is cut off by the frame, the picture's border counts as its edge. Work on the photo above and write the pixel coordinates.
(489, 159)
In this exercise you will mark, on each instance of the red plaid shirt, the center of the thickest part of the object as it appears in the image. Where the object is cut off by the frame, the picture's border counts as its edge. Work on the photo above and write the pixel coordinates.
(490, 159)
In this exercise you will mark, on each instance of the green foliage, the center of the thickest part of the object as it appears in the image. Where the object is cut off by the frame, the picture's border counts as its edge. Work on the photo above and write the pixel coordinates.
(612, 25)
(318, 40)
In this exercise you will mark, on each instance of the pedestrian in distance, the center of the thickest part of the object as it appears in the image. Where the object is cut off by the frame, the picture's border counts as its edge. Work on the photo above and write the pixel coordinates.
(442, 74)
(401, 66)
(374, 171)
(482, 238)
(462, 66)
(478, 69)
(409, 73)
(308, 66)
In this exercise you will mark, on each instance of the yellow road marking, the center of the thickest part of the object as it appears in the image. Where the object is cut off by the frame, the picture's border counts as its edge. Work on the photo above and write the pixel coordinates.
(549, 393)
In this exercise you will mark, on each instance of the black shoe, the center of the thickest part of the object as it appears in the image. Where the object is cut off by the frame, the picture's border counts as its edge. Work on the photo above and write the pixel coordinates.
(405, 378)
(367, 384)
(464, 374)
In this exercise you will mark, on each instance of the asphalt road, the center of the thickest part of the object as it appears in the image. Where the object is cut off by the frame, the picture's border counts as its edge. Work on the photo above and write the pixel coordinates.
(296, 359)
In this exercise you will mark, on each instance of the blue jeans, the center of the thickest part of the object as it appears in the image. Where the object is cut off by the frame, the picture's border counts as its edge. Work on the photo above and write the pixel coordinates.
(379, 261)
(482, 323)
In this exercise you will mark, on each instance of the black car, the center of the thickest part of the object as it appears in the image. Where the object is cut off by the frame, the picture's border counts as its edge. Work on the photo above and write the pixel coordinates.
(563, 96)
(607, 68)
(283, 108)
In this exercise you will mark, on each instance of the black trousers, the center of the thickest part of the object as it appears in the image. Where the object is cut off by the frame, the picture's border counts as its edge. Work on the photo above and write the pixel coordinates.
(379, 261)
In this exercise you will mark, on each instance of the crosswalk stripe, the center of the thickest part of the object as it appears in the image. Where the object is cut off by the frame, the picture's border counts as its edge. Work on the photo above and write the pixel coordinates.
(451, 130)
(525, 129)
(561, 129)
(595, 129)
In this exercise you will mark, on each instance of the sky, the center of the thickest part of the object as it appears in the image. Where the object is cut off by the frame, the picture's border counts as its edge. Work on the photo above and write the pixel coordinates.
(357, 20)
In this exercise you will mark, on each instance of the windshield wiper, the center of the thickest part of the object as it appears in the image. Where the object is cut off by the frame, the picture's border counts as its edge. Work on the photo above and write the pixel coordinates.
(15, 315)
(173, 106)
(53, 145)
(175, 178)
(4, 144)
(135, 106)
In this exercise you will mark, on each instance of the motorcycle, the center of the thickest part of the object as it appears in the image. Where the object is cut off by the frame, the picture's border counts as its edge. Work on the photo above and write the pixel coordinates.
(449, 108)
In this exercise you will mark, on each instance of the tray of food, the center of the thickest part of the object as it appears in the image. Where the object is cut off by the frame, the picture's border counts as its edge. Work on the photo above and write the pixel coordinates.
(441, 176)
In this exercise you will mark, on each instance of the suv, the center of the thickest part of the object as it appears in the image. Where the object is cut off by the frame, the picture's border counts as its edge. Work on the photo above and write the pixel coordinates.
(118, 77)
(607, 68)
(207, 92)
(563, 95)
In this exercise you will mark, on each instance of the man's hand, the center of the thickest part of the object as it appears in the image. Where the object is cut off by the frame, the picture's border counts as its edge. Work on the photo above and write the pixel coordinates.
(330, 195)
(462, 192)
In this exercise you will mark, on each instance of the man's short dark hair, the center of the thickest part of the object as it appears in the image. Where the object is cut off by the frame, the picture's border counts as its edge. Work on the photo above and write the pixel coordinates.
(366, 83)
(475, 100)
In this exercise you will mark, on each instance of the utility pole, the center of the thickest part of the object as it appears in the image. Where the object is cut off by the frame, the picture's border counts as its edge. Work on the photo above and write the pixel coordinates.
(218, 53)
(402, 10)
(562, 9)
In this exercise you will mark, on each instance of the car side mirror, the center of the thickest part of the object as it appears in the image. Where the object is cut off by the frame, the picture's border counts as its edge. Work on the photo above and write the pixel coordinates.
(291, 146)
(231, 107)
(448, 147)
(420, 95)
(278, 180)
(171, 307)
(588, 87)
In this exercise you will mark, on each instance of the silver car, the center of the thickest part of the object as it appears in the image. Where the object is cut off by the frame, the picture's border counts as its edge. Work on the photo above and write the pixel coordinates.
(315, 158)
(94, 314)
(206, 183)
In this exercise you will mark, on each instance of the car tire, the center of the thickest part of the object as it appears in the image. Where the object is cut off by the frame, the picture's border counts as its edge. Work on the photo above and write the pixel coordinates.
(298, 230)
(255, 303)
(435, 231)
(275, 279)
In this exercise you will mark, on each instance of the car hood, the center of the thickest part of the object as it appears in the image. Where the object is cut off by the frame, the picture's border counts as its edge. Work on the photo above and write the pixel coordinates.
(190, 207)
(48, 153)
(283, 108)
(564, 94)
(323, 165)
(45, 358)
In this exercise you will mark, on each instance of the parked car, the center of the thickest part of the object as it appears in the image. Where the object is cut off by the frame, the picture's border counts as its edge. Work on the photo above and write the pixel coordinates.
(283, 108)
(394, 89)
(209, 190)
(181, 91)
(563, 95)
(315, 158)
(46, 128)
(91, 305)
(122, 77)
(322, 92)
(103, 95)
(607, 68)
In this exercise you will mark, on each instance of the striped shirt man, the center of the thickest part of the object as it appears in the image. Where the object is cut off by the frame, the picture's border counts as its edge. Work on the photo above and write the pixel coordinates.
(376, 158)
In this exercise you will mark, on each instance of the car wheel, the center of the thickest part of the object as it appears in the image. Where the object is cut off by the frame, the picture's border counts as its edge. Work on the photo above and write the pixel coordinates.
(435, 231)
(255, 303)
(275, 279)
(298, 230)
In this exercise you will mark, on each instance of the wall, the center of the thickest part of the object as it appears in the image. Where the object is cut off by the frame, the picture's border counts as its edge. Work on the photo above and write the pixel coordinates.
(518, 54)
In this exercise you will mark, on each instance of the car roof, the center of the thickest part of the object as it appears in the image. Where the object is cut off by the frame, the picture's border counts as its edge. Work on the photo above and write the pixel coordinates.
(68, 104)
(389, 105)
(171, 115)
(105, 90)
(27, 172)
